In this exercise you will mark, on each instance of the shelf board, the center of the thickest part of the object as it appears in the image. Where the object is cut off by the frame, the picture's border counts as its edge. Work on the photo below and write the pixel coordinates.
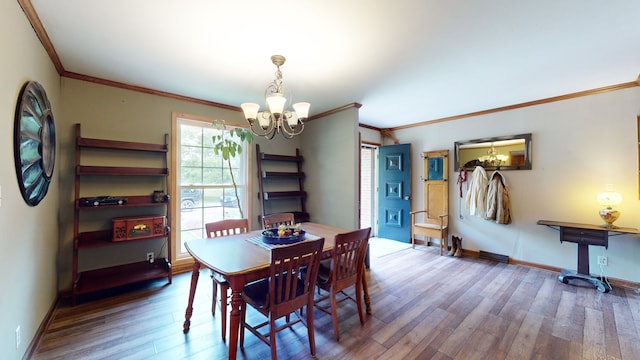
(274, 157)
(132, 201)
(90, 239)
(120, 145)
(110, 277)
(277, 174)
(270, 195)
(120, 171)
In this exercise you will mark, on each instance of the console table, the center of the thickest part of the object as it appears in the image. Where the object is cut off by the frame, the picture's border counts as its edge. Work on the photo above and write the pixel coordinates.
(585, 235)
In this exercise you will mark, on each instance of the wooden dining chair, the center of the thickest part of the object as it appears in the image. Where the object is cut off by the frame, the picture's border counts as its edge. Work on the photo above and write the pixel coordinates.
(272, 221)
(217, 229)
(343, 270)
(284, 292)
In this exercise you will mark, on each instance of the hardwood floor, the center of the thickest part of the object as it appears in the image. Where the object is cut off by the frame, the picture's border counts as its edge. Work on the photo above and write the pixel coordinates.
(424, 307)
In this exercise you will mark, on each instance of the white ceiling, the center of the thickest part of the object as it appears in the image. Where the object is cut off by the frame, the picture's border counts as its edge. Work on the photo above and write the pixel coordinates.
(405, 61)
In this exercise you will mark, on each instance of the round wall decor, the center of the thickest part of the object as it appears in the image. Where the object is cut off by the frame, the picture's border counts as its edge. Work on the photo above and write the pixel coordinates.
(34, 142)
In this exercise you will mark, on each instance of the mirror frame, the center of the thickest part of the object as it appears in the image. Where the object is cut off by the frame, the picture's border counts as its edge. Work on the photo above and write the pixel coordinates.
(527, 152)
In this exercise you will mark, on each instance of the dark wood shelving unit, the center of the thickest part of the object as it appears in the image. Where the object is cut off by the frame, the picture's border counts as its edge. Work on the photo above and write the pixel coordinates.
(112, 276)
(293, 180)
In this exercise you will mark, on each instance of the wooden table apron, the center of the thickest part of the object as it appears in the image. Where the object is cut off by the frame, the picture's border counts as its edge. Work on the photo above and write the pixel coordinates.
(240, 262)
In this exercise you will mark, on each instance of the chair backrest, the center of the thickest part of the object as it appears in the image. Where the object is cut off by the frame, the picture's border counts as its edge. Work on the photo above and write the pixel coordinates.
(347, 258)
(227, 227)
(288, 291)
(436, 186)
(272, 221)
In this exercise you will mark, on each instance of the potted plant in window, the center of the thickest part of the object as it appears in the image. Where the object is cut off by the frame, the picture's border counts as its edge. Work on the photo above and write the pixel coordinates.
(229, 143)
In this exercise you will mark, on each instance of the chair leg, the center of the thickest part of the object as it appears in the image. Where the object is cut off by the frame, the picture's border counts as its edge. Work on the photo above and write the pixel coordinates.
(272, 338)
(243, 317)
(224, 291)
(334, 314)
(358, 298)
(310, 329)
(214, 296)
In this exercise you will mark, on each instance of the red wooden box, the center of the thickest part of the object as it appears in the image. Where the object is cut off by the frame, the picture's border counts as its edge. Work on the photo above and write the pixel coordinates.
(140, 227)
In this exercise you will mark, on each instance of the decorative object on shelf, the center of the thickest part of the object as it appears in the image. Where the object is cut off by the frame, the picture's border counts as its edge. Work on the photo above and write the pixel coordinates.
(609, 198)
(34, 142)
(102, 201)
(277, 118)
(159, 196)
(132, 228)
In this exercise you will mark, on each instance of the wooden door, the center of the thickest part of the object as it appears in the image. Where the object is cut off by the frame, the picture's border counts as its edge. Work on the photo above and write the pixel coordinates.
(394, 192)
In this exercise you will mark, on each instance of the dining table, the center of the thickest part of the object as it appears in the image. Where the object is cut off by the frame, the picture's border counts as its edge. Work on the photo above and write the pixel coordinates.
(243, 258)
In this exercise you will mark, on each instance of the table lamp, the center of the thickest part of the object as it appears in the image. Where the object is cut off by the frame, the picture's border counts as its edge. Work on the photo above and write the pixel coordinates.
(608, 214)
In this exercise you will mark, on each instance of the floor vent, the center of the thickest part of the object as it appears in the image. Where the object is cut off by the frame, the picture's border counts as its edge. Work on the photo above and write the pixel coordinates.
(494, 257)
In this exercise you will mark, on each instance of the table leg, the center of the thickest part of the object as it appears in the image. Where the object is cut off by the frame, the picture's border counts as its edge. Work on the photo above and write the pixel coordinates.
(365, 287)
(192, 292)
(234, 318)
(583, 259)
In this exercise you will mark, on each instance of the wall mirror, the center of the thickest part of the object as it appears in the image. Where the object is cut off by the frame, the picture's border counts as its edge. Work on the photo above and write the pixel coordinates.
(495, 153)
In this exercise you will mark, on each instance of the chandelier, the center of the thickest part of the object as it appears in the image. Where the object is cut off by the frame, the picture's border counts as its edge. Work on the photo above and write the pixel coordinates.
(493, 158)
(277, 118)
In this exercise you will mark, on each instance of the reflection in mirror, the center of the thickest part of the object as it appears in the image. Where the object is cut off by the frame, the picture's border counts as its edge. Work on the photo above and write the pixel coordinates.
(503, 153)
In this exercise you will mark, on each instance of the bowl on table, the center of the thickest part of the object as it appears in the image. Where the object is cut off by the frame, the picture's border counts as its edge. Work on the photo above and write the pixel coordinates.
(291, 236)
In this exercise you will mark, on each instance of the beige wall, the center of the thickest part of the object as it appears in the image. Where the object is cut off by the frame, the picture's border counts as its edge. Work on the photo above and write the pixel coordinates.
(579, 146)
(331, 150)
(28, 235)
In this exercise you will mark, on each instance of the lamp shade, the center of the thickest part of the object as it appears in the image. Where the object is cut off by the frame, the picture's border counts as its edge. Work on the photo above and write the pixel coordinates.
(276, 103)
(250, 110)
(609, 198)
(302, 109)
(292, 120)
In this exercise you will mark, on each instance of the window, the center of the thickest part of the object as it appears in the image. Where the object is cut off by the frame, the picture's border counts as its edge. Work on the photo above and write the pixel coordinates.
(203, 191)
(368, 186)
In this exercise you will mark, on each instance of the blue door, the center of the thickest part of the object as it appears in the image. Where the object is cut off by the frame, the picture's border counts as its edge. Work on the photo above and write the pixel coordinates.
(394, 192)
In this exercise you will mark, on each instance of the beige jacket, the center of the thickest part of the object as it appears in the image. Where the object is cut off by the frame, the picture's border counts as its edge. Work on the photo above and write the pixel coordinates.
(498, 202)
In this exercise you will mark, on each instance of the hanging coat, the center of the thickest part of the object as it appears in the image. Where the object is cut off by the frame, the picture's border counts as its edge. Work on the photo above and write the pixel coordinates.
(498, 202)
(477, 193)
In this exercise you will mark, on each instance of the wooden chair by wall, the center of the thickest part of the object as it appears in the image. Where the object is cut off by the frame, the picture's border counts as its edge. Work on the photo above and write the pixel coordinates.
(433, 221)
(345, 269)
(272, 221)
(217, 229)
(284, 292)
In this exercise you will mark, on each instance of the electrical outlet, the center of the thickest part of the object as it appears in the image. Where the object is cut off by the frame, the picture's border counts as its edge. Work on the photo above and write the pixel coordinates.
(18, 337)
(602, 260)
(150, 257)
